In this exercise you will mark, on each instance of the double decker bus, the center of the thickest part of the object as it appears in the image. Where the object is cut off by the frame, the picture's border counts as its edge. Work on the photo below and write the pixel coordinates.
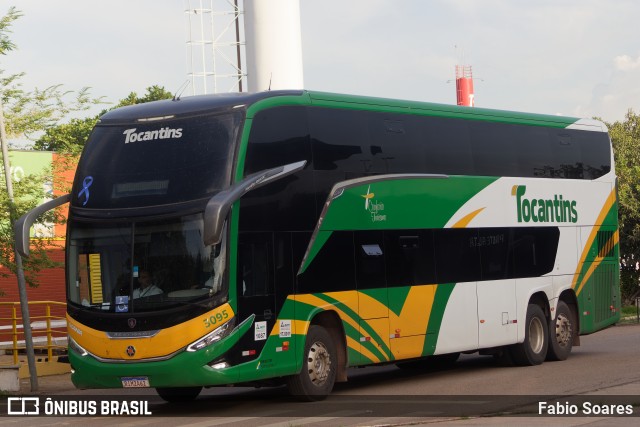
(283, 237)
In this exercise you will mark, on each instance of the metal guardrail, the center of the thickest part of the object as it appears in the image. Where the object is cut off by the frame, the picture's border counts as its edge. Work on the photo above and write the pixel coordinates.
(49, 331)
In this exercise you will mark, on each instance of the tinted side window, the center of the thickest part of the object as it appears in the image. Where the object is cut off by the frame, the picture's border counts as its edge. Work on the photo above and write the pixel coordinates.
(370, 259)
(494, 148)
(340, 140)
(534, 153)
(396, 143)
(448, 147)
(495, 258)
(255, 264)
(410, 257)
(278, 136)
(457, 255)
(333, 268)
(596, 154)
(567, 155)
(534, 250)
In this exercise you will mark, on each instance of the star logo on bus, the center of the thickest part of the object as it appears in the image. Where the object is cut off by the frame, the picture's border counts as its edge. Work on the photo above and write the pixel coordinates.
(131, 351)
(368, 197)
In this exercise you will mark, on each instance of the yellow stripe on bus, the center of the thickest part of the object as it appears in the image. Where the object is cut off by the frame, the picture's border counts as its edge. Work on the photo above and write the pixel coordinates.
(596, 262)
(611, 199)
(414, 317)
(462, 223)
(359, 348)
(165, 342)
(346, 296)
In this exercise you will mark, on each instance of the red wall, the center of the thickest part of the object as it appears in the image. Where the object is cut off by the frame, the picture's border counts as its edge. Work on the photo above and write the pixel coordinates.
(51, 281)
(51, 288)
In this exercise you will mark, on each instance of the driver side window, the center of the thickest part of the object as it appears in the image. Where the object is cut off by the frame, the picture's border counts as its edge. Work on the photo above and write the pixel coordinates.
(255, 266)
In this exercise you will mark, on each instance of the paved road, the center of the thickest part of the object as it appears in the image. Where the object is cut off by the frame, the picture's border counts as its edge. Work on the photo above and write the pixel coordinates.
(604, 370)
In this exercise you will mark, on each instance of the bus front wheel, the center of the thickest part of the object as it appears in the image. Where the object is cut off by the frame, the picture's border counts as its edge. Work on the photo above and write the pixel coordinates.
(533, 350)
(315, 380)
(178, 394)
(561, 332)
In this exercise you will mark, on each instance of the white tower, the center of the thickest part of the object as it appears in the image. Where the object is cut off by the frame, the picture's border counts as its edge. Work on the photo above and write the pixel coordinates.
(273, 44)
(214, 46)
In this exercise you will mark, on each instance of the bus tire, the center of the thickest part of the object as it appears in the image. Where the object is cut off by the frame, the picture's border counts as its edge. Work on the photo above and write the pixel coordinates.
(178, 394)
(318, 375)
(533, 351)
(561, 332)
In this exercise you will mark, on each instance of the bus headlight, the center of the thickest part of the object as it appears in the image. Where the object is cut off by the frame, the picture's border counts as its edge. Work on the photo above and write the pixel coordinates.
(212, 337)
(73, 345)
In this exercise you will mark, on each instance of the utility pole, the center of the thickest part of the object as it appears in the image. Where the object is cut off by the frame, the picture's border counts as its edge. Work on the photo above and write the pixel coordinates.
(22, 287)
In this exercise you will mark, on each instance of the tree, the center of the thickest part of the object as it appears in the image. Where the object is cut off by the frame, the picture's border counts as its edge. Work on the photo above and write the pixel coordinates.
(625, 136)
(27, 113)
(70, 137)
(154, 93)
(28, 193)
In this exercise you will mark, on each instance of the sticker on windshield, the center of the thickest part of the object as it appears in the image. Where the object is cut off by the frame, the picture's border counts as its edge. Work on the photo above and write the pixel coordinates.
(122, 303)
(86, 183)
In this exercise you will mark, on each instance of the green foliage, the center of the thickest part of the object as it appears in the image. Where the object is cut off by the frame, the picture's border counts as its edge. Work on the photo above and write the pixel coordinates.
(625, 136)
(6, 45)
(70, 137)
(29, 112)
(154, 93)
(629, 310)
(67, 137)
(29, 192)
(26, 113)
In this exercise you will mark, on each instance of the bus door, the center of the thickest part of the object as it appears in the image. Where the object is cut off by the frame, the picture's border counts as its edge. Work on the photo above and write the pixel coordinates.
(411, 290)
(497, 322)
(373, 299)
(264, 281)
(255, 289)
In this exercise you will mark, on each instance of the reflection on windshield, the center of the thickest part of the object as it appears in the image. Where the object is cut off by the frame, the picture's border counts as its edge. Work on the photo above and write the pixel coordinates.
(144, 266)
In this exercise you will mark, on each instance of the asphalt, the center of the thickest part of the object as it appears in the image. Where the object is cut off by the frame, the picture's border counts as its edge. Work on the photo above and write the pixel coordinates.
(48, 385)
(62, 385)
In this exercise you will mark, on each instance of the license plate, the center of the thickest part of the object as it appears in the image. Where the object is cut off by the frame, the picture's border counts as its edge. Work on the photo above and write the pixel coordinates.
(135, 382)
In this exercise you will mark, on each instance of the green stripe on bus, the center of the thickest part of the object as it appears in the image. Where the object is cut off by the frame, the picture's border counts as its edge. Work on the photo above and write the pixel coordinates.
(378, 351)
(443, 292)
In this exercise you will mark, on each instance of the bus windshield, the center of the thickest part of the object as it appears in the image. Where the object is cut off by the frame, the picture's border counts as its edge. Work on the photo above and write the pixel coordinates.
(156, 162)
(141, 266)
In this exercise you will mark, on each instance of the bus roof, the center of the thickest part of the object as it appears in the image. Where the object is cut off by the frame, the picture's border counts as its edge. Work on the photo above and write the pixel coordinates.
(201, 104)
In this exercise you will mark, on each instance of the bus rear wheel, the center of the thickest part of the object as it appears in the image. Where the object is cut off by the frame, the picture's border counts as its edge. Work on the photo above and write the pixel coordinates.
(561, 332)
(533, 350)
(318, 375)
(178, 394)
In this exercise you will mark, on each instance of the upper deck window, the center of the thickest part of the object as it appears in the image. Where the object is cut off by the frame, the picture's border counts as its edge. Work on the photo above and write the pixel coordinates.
(156, 162)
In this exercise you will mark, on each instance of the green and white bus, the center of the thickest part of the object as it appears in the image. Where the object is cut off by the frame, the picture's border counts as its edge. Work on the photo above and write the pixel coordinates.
(290, 235)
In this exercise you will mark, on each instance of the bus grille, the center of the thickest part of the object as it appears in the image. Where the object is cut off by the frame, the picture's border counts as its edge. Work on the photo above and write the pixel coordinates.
(603, 287)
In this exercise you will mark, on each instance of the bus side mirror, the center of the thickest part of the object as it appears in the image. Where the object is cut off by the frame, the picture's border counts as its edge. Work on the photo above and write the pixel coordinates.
(219, 205)
(23, 224)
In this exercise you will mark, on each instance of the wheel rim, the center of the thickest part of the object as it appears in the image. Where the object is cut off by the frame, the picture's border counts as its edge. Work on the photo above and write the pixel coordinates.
(536, 335)
(319, 363)
(563, 330)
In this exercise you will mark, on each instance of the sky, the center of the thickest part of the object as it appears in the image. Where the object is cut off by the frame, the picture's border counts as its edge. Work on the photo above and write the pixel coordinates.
(577, 58)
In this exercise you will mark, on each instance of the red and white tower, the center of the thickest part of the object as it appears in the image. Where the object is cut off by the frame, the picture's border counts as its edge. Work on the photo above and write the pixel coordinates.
(464, 85)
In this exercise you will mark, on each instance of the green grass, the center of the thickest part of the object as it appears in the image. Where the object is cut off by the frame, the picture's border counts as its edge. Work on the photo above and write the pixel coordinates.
(630, 310)
(629, 315)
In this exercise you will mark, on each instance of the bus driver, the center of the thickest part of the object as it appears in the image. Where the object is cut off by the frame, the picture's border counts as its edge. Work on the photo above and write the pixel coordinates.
(146, 288)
